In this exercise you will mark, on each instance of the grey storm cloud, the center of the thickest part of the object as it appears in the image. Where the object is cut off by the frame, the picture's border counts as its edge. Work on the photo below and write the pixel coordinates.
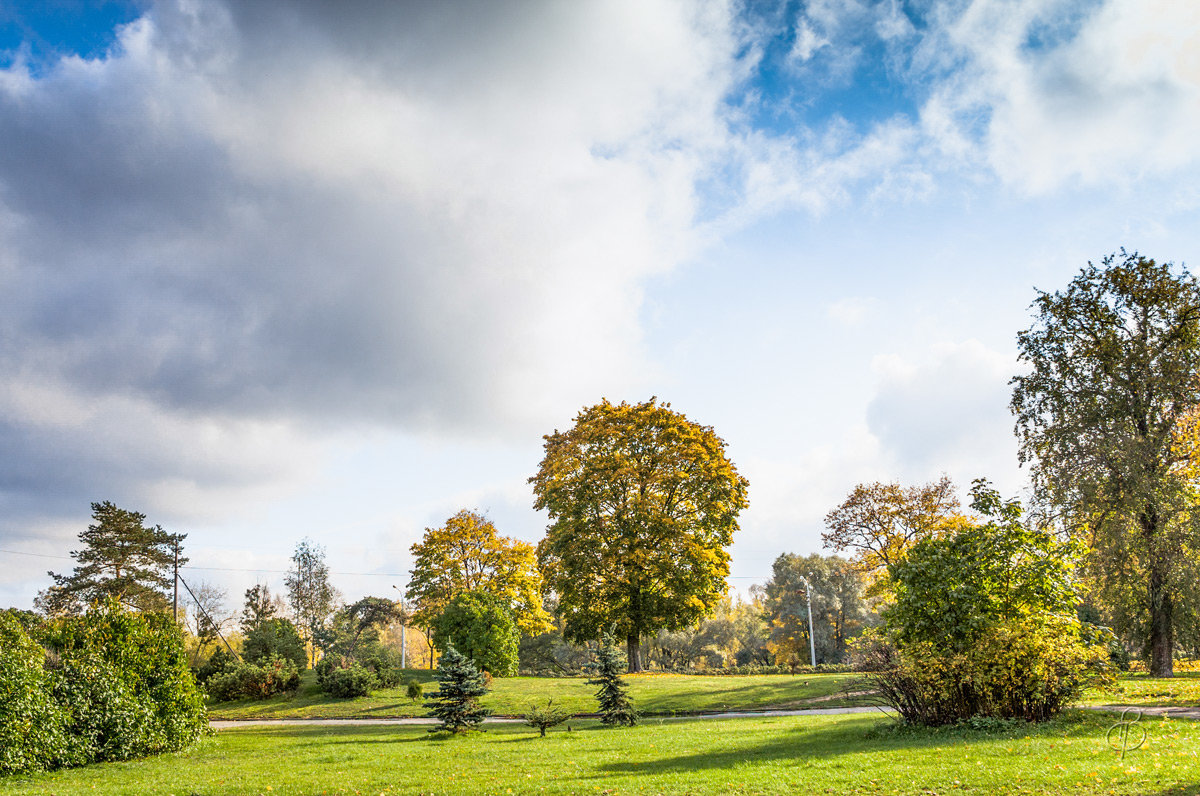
(301, 214)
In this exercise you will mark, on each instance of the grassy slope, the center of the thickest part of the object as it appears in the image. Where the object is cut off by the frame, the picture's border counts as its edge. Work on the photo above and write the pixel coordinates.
(656, 694)
(817, 754)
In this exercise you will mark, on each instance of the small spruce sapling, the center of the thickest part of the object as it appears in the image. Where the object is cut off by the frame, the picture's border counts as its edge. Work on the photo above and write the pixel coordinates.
(459, 687)
(414, 690)
(615, 705)
(543, 718)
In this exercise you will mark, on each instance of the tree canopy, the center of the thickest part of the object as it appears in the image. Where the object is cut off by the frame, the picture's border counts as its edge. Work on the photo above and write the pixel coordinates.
(879, 522)
(122, 558)
(839, 610)
(642, 504)
(309, 591)
(479, 625)
(468, 554)
(1107, 416)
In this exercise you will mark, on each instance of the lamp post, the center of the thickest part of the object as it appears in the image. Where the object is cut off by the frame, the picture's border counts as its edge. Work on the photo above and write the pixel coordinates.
(403, 630)
(812, 644)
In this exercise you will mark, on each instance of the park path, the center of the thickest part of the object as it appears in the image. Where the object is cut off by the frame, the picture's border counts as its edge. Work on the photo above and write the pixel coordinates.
(221, 724)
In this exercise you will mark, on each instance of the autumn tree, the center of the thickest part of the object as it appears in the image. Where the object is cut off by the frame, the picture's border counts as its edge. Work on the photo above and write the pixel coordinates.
(642, 504)
(309, 591)
(468, 554)
(839, 609)
(879, 522)
(1106, 415)
(122, 558)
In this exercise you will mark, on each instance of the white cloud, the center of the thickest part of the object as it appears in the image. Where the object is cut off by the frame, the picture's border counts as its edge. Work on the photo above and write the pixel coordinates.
(1057, 93)
(947, 411)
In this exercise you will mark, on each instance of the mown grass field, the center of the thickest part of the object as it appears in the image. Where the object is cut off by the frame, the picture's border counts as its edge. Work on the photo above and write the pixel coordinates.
(761, 755)
(653, 694)
(1182, 690)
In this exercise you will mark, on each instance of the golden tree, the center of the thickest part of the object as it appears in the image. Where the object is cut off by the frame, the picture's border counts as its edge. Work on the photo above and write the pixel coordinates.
(642, 504)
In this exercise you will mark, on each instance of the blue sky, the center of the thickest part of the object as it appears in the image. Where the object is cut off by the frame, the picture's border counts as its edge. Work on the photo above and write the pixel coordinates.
(282, 270)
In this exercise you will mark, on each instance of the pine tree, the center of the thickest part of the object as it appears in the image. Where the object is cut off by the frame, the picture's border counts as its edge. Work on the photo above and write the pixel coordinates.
(460, 684)
(615, 705)
(122, 558)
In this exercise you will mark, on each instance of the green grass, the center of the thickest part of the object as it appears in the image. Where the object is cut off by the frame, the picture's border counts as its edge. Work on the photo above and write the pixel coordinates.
(813, 754)
(653, 694)
(1182, 690)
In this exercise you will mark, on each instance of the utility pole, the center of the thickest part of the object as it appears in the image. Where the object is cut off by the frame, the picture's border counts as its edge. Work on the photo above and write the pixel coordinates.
(812, 643)
(175, 599)
(403, 630)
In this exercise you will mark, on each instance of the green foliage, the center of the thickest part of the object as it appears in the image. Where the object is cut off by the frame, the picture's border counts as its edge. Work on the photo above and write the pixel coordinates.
(275, 638)
(121, 559)
(351, 681)
(468, 554)
(541, 719)
(414, 690)
(217, 663)
(456, 702)
(984, 624)
(480, 626)
(642, 504)
(124, 681)
(1109, 414)
(268, 677)
(615, 705)
(33, 734)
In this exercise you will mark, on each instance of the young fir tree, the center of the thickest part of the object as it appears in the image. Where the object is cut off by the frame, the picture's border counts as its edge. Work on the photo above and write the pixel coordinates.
(615, 705)
(460, 684)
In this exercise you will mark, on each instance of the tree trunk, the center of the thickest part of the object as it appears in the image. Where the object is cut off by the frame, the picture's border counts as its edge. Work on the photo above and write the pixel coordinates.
(633, 645)
(1162, 637)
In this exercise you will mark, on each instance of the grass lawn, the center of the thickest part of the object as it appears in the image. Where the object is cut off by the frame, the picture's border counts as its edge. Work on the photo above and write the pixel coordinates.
(653, 694)
(812, 754)
(1182, 690)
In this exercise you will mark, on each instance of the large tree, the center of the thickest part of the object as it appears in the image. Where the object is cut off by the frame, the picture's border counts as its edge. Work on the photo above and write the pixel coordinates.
(642, 504)
(121, 558)
(309, 591)
(468, 554)
(879, 522)
(1106, 416)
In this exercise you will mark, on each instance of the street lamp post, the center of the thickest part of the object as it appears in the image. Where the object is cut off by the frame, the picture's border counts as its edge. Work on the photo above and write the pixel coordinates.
(812, 644)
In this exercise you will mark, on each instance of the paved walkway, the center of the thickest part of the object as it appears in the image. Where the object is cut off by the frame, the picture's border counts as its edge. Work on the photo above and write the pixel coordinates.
(1174, 713)
(225, 724)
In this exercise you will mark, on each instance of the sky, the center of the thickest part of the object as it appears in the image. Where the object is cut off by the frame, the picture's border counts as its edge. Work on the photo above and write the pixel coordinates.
(297, 269)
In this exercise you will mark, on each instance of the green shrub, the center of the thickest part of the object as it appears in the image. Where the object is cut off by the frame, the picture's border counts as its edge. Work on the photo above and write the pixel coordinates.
(124, 679)
(32, 725)
(984, 624)
(384, 662)
(275, 638)
(220, 661)
(255, 681)
(414, 690)
(352, 681)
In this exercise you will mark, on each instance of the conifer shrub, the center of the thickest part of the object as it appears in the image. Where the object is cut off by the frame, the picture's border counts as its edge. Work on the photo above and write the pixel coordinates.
(456, 702)
(615, 705)
(414, 690)
(541, 719)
